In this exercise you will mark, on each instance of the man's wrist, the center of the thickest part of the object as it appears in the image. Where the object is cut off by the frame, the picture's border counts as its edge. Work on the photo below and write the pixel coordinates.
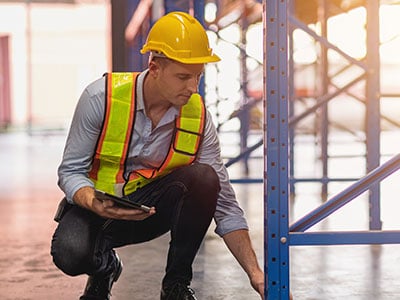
(84, 197)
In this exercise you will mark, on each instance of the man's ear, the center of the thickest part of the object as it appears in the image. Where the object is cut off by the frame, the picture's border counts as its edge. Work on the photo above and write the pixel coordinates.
(154, 68)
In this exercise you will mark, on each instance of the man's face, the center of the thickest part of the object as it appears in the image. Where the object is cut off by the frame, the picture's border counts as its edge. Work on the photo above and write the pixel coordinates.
(177, 82)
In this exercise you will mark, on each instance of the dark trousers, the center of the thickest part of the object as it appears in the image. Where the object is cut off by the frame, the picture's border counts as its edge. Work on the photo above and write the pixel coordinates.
(185, 202)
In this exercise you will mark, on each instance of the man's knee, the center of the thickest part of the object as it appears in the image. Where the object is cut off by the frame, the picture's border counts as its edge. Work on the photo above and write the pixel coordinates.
(204, 178)
(69, 256)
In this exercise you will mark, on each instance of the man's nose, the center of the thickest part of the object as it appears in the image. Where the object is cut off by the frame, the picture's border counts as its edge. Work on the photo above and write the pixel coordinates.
(193, 85)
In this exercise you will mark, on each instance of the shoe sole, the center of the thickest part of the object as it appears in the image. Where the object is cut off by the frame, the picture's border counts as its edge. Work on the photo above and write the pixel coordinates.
(119, 271)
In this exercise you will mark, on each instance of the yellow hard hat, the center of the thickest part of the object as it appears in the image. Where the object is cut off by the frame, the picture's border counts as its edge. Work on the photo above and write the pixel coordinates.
(180, 37)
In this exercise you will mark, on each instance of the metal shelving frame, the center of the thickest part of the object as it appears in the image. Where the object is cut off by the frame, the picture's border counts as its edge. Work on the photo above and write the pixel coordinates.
(279, 236)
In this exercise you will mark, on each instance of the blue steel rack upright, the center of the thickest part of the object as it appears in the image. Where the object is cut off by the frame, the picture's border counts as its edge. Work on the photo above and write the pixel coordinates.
(276, 246)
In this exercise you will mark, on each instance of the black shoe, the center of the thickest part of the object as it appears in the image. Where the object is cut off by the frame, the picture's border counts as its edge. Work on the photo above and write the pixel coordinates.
(99, 288)
(178, 291)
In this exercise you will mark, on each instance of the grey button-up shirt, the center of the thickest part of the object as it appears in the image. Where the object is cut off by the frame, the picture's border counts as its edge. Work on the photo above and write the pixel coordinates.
(148, 149)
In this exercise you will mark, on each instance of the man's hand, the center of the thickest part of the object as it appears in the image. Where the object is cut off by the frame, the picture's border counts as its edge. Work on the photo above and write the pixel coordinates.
(85, 198)
(239, 244)
(257, 282)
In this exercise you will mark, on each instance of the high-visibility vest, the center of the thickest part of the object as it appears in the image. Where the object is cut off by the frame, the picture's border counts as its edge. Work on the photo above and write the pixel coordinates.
(108, 171)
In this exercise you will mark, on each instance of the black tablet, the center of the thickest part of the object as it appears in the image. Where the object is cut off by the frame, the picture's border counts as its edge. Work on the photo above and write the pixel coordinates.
(100, 195)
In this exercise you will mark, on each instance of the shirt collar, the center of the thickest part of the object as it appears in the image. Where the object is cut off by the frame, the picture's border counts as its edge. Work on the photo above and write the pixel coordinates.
(139, 90)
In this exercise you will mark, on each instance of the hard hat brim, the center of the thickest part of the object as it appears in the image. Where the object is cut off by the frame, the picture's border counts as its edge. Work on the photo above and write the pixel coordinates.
(188, 60)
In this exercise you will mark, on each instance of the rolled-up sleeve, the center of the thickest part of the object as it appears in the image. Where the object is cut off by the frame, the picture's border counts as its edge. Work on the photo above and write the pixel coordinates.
(228, 215)
(81, 141)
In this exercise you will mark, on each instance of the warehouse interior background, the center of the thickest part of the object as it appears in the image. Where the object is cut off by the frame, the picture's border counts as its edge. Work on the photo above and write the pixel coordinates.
(50, 50)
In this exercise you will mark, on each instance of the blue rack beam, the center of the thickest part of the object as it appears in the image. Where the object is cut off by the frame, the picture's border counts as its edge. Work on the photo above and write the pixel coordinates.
(347, 195)
(344, 238)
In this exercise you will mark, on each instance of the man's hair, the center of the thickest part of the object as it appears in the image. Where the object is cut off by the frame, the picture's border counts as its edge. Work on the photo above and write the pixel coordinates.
(160, 58)
(162, 61)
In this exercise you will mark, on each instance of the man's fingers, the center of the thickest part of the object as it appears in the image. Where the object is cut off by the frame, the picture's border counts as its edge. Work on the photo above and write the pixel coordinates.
(116, 212)
(108, 203)
(108, 209)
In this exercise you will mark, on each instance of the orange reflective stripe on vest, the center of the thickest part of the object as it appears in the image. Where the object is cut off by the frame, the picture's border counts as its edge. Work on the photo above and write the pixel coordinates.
(112, 148)
(108, 164)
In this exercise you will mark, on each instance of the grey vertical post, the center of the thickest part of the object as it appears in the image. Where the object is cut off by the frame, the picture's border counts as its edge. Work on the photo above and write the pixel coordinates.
(323, 90)
(373, 127)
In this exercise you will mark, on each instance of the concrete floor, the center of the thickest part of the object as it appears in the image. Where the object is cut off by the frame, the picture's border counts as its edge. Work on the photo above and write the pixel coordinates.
(29, 196)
